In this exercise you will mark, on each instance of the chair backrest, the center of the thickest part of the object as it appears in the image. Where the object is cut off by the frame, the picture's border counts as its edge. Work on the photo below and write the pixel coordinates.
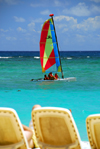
(55, 128)
(11, 131)
(93, 130)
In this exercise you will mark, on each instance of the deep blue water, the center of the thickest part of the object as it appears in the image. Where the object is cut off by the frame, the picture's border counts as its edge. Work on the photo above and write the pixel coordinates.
(62, 53)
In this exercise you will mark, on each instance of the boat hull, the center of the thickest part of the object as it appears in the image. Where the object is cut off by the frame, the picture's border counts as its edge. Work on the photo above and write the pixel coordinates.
(69, 79)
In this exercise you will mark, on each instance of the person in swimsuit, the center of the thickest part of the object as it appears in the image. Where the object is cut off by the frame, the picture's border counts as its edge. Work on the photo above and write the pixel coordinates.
(56, 76)
(45, 77)
(51, 77)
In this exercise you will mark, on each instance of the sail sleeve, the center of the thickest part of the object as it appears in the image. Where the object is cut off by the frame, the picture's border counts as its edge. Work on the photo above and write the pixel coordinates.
(49, 56)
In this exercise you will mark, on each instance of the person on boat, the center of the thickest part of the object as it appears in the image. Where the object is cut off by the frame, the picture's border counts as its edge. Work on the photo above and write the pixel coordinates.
(51, 77)
(56, 76)
(46, 78)
(31, 79)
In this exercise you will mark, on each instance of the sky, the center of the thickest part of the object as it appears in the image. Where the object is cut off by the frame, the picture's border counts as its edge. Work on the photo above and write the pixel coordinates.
(77, 24)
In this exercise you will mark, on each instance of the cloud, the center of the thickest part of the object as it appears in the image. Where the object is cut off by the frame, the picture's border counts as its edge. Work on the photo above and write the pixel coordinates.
(95, 9)
(67, 18)
(31, 26)
(80, 38)
(62, 25)
(11, 38)
(48, 3)
(58, 3)
(96, 1)
(45, 12)
(19, 19)
(65, 23)
(20, 29)
(37, 5)
(79, 10)
(11, 2)
(90, 24)
(39, 20)
(2, 30)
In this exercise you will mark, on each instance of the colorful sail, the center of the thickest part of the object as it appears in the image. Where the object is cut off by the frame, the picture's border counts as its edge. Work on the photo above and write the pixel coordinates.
(49, 55)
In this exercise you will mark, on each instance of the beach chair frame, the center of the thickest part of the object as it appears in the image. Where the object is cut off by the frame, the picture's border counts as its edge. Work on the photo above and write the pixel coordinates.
(93, 130)
(61, 118)
(11, 132)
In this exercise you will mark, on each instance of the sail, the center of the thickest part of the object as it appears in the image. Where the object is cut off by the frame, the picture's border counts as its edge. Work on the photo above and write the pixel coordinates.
(49, 55)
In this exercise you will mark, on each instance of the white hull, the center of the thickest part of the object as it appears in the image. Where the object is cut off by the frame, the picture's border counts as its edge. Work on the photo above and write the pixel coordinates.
(67, 79)
(70, 79)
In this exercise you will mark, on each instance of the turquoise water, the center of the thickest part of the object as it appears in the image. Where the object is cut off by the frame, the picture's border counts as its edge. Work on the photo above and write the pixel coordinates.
(82, 96)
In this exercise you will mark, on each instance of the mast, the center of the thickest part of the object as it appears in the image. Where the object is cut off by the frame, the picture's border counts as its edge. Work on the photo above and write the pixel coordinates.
(51, 15)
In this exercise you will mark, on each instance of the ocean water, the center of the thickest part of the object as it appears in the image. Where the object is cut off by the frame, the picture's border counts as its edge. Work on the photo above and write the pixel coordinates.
(81, 96)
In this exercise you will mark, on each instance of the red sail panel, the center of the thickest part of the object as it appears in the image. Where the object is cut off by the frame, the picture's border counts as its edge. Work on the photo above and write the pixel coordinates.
(43, 37)
(51, 60)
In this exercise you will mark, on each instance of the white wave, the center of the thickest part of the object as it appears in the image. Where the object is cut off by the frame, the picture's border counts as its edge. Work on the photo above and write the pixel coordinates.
(36, 57)
(20, 56)
(6, 57)
(69, 57)
(88, 56)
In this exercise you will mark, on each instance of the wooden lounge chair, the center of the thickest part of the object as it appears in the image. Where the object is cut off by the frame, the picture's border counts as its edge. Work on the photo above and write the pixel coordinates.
(55, 128)
(11, 131)
(93, 130)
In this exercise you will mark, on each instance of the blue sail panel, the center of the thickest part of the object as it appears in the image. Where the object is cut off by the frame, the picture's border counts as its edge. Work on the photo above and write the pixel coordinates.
(58, 66)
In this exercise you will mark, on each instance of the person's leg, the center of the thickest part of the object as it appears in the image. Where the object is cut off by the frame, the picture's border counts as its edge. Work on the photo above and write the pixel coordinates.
(28, 135)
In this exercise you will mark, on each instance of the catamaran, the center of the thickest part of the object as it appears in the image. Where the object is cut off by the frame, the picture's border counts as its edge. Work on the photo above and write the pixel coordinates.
(49, 50)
